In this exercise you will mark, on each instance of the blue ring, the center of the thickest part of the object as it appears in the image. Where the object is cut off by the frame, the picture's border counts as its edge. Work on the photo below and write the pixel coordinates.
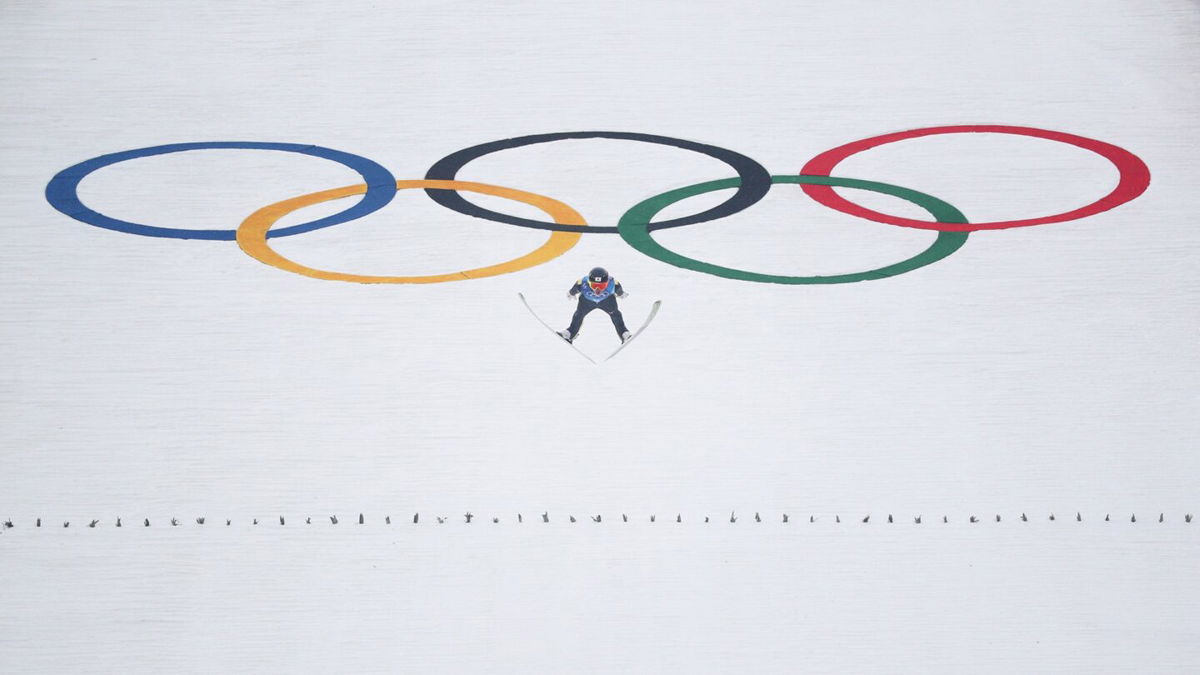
(63, 190)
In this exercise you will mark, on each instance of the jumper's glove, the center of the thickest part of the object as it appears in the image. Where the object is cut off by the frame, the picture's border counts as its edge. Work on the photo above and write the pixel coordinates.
(623, 296)
(570, 296)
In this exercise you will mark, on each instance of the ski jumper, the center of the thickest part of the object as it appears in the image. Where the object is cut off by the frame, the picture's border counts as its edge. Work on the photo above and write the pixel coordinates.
(590, 299)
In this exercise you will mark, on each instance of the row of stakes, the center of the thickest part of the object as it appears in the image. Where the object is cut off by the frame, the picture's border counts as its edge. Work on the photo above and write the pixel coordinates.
(469, 517)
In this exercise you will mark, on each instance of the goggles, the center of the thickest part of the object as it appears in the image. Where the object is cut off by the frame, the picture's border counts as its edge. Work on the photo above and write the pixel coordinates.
(597, 285)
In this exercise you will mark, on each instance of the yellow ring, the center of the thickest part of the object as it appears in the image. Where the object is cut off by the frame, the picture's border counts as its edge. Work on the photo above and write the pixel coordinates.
(252, 233)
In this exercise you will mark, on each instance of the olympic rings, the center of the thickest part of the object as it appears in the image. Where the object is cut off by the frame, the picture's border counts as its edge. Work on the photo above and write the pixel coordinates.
(63, 190)
(1135, 176)
(755, 180)
(252, 234)
(633, 229)
(566, 225)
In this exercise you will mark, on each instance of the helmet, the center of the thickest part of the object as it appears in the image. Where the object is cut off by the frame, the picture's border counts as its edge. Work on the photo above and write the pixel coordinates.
(597, 279)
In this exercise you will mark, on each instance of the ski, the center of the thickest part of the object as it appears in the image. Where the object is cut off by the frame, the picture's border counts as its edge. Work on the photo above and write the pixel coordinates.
(572, 346)
(653, 313)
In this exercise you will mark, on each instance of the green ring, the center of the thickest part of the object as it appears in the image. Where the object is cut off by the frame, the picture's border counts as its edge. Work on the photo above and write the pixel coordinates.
(633, 229)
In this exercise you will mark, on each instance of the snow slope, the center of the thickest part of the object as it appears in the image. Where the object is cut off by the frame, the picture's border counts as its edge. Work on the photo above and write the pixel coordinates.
(1046, 369)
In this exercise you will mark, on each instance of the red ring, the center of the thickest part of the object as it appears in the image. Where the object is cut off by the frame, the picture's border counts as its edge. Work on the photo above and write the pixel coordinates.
(1134, 177)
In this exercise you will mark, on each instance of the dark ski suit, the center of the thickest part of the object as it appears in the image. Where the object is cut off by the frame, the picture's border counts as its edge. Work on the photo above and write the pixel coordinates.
(589, 300)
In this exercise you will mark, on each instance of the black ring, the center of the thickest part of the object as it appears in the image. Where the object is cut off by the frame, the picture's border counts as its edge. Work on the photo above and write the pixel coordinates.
(755, 180)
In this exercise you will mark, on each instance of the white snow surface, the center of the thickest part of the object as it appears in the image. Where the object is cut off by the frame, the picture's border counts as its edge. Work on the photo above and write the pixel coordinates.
(1049, 369)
